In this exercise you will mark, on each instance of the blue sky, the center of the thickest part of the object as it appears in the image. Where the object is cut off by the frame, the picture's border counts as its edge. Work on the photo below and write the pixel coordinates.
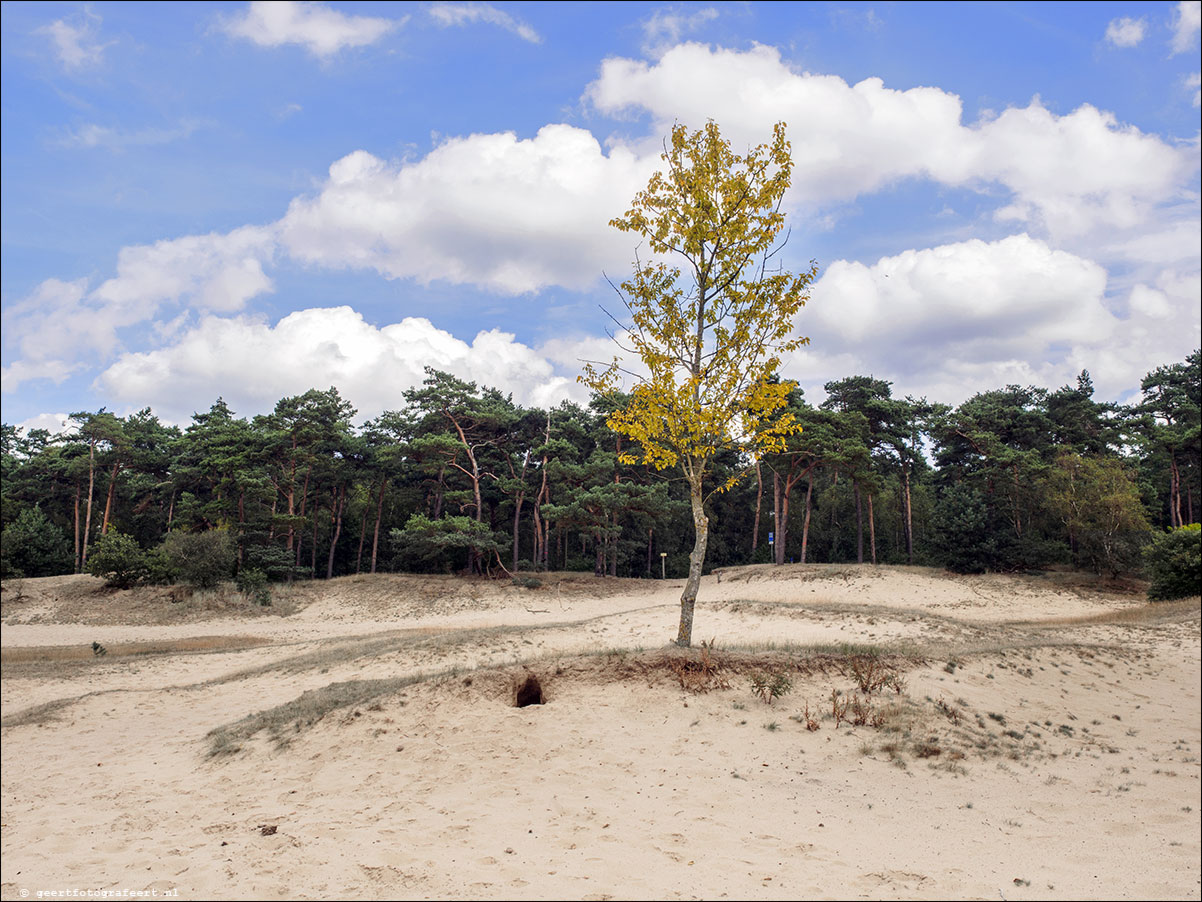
(249, 200)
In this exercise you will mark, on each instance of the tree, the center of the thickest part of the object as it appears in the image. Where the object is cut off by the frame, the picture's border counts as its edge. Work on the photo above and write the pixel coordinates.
(459, 423)
(711, 315)
(1099, 505)
(1174, 562)
(33, 546)
(118, 560)
(1173, 407)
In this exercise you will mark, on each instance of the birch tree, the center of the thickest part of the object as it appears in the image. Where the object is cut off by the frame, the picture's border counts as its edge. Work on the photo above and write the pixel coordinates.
(711, 316)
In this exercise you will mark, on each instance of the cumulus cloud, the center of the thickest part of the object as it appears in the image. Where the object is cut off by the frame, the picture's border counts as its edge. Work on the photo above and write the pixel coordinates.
(1125, 32)
(961, 318)
(1068, 174)
(320, 30)
(76, 43)
(509, 215)
(252, 364)
(453, 14)
(64, 324)
(1187, 21)
(1005, 306)
(54, 423)
(517, 215)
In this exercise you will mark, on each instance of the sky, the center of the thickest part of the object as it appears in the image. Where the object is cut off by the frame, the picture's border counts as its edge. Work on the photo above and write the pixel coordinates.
(252, 200)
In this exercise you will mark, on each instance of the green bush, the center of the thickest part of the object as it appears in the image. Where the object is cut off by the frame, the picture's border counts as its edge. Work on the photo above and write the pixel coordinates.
(159, 571)
(253, 583)
(33, 546)
(118, 560)
(1174, 563)
(200, 559)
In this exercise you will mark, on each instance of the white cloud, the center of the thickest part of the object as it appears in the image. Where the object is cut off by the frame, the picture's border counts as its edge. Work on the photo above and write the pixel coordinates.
(92, 135)
(253, 364)
(76, 44)
(320, 30)
(454, 14)
(665, 27)
(508, 215)
(1069, 174)
(54, 423)
(954, 320)
(515, 216)
(63, 324)
(1187, 20)
(1006, 306)
(1194, 81)
(1125, 32)
(1149, 302)
(55, 330)
(212, 272)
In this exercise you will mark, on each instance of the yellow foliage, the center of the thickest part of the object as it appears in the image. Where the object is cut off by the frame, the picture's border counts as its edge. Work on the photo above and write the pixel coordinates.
(712, 323)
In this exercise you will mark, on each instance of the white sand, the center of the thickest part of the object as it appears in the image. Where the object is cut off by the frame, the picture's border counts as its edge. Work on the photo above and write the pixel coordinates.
(616, 788)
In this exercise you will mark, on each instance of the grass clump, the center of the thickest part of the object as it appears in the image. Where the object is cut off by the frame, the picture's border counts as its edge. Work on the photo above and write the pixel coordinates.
(284, 721)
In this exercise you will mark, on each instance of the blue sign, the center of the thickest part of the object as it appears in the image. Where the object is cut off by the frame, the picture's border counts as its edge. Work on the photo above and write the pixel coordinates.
(771, 538)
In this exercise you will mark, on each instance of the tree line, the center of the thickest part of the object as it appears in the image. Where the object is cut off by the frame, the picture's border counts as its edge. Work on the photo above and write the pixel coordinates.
(459, 478)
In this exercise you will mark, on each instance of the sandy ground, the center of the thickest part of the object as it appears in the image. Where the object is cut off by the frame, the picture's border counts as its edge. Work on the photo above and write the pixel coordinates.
(1041, 739)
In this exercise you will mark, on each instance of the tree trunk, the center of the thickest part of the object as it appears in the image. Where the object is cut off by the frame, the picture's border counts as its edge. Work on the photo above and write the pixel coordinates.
(650, 537)
(834, 520)
(78, 492)
(362, 540)
(291, 506)
(313, 550)
(241, 523)
(782, 528)
(517, 520)
(108, 501)
(701, 529)
(909, 522)
(778, 547)
(300, 540)
(755, 526)
(1175, 517)
(805, 529)
(337, 512)
(87, 522)
(855, 487)
(871, 528)
(375, 536)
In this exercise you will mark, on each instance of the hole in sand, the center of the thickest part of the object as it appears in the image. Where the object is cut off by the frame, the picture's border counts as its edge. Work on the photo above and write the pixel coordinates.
(530, 692)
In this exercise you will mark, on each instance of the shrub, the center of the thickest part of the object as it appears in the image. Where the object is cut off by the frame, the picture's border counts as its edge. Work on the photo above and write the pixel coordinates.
(117, 559)
(33, 546)
(253, 583)
(200, 559)
(1174, 563)
(159, 571)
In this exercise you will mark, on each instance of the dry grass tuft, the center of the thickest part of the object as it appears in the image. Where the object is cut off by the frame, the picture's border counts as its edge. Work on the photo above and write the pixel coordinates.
(38, 714)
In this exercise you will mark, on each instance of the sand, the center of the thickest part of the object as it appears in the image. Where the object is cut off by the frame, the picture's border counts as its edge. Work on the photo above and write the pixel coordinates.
(1045, 741)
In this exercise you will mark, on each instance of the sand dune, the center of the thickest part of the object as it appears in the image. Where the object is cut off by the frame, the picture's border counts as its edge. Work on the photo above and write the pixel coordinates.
(1040, 739)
